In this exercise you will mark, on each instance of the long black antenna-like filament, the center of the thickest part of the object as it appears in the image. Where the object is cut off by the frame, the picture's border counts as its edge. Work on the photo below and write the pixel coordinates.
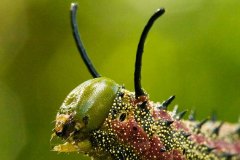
(138, 64)
(79, 43)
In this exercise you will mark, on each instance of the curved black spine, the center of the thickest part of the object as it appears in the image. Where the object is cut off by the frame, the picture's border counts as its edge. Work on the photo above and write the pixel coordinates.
(79, 43)
(138, 63)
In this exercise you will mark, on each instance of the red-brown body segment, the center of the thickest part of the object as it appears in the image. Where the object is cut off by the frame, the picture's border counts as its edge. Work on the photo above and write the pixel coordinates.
(149, 133)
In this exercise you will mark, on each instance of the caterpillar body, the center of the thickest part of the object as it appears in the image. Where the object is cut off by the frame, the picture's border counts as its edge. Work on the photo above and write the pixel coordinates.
(104, 120)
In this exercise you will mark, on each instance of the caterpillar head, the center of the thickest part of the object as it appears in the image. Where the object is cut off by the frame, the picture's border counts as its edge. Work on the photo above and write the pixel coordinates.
(89, 101)
(86, 107)
(84, 110)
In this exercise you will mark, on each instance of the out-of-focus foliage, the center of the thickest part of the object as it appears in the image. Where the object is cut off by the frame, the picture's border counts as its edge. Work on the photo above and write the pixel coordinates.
(192, 51)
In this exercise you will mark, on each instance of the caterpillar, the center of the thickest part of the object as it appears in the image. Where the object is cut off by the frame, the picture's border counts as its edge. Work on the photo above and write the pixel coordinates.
(103, 120)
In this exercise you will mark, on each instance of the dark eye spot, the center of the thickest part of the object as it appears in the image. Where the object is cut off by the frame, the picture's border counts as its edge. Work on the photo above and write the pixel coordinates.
(135, 128)
(85, 120)
(122, 117)
(184, 151)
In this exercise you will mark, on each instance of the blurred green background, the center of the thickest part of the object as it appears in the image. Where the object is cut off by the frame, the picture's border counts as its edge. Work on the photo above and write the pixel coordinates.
(193, 51)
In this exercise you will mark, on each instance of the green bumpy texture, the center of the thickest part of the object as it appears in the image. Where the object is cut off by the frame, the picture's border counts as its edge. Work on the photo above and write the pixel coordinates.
(91, 100)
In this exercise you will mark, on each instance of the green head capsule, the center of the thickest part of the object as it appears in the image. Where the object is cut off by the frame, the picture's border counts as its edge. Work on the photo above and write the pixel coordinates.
(86, 107)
